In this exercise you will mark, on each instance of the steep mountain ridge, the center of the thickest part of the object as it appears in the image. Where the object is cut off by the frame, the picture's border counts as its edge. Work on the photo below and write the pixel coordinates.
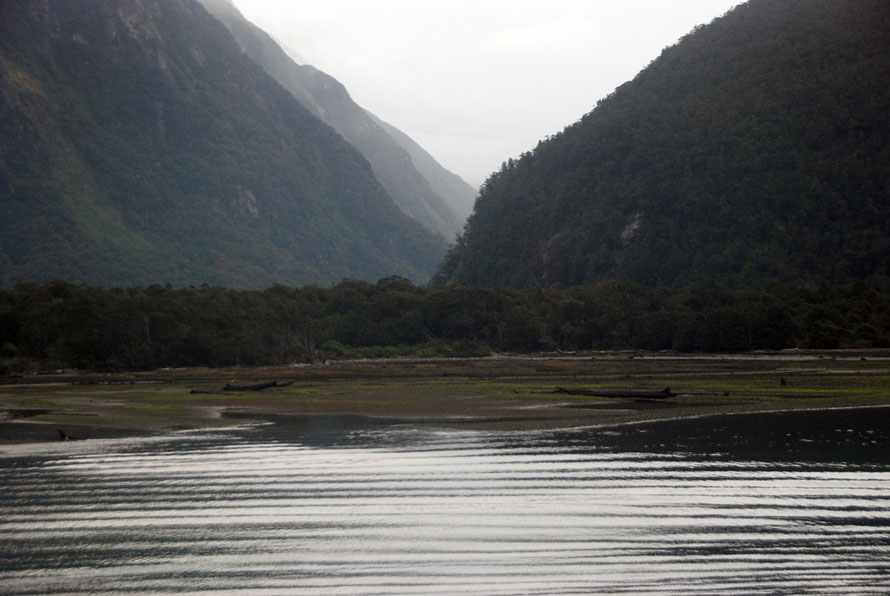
(458, 193)
(756, 149)
(139, 145)
(420, 186)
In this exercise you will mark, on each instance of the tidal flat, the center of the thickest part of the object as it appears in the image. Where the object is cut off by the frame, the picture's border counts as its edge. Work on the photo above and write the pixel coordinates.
(501, 393)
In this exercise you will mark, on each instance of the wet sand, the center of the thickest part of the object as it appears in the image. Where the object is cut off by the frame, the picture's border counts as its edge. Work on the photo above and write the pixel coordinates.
(504, 393)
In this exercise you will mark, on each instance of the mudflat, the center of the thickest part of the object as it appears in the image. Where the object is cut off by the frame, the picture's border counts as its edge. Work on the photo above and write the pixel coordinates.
(504, 393)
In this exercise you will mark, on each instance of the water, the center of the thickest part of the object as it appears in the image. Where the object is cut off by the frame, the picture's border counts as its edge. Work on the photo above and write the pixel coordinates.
(741, 505)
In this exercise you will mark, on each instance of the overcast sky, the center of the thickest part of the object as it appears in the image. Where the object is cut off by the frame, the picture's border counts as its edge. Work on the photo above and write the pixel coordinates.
(478, 81)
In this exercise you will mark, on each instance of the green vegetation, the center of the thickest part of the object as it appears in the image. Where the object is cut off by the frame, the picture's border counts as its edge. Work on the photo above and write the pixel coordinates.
(732, 197)
(61, 325)
(502, 393)
(753, 151)
(138, 144)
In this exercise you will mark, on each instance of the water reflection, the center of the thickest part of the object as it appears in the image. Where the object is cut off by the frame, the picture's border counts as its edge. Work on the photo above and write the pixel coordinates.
(742, 504)
(858, 436)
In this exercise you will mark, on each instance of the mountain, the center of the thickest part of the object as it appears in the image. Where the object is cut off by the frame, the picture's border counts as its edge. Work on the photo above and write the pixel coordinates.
(138, 144)
(420, 186)
(756, 149)
(459, 195)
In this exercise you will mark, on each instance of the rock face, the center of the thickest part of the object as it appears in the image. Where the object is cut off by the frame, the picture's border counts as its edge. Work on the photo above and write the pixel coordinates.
(420, 186)
(138, 144)
(755, 150)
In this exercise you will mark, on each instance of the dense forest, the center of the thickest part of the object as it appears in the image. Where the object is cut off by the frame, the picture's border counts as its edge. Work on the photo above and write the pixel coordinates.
(139, 144)
(61, 325)
(755, 150)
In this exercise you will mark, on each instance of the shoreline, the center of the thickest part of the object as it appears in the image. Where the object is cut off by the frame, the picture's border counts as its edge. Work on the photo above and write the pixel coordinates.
(505, 393)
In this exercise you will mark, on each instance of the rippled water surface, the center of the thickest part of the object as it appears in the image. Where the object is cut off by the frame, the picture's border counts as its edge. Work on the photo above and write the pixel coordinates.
(739, 504)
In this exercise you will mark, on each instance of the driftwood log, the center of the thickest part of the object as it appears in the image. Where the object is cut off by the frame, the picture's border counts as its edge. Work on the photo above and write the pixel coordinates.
(257, 387)
(618, 393)
(63, 436)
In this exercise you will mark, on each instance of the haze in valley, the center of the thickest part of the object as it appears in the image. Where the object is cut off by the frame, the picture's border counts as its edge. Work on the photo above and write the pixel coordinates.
(477, 82)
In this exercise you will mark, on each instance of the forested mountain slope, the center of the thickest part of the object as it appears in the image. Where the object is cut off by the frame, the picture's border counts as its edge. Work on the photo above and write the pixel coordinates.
(139, 145)
(756, 149)
(411, 177)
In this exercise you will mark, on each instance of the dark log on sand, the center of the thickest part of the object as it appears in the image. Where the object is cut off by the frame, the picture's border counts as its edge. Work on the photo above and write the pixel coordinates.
(63, 436)
(257, 387)
(618, 393)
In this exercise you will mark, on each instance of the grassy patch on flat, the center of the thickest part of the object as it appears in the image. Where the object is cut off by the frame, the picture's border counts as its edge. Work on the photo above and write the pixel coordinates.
(487, 388)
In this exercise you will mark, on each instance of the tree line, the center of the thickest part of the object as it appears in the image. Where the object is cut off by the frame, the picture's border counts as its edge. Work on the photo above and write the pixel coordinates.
(63, 325)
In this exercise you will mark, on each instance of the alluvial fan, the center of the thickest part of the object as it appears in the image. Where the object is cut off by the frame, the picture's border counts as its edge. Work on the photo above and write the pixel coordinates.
(391, 510)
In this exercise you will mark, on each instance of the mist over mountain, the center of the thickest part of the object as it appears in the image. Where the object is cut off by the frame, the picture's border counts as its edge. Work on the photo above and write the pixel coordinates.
(755, 150)
(420, 186)
(138, 144)
(459, 195)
